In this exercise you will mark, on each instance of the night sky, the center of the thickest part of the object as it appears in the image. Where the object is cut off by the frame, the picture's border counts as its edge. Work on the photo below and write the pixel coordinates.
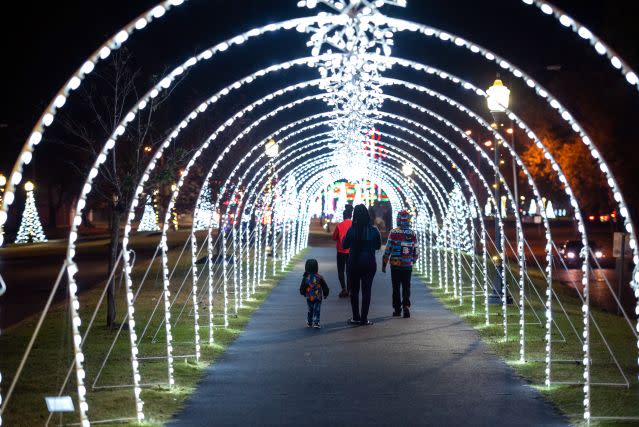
(43, 42)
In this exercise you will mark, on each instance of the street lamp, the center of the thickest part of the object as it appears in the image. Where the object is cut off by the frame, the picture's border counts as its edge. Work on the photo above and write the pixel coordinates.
(407, 169)
(272, 148)
(498, 99)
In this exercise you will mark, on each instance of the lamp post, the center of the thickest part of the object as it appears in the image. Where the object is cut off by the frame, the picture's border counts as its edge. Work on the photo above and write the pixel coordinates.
(498, 99)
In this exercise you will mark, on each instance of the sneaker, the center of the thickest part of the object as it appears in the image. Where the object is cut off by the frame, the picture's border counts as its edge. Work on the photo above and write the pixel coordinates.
(397, 313)
(308, 324)
(353, 321)
(406, 312)
(366, 323)
(316, 325)
(343, 293)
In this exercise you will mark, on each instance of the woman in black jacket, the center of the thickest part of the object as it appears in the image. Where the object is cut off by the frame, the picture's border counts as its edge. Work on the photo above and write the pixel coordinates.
(363, 240)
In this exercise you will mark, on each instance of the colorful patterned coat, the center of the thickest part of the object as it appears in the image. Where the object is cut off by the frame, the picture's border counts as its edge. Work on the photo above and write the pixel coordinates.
(401, 248)
(313, 287)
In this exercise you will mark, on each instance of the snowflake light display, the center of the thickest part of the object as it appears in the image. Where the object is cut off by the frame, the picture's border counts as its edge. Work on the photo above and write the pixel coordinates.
(351, 78)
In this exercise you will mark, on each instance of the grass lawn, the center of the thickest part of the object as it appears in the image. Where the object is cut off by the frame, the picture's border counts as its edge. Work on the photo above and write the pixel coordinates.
(109, 394)
(567, 353)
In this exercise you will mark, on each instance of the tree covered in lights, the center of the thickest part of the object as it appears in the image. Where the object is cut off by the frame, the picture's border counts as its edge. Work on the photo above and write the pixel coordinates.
(456, 221)
(204, 211)
(149, 218)
(30, 227)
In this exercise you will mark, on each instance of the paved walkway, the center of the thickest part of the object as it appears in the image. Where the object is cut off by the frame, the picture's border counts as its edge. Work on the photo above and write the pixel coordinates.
(430, 369)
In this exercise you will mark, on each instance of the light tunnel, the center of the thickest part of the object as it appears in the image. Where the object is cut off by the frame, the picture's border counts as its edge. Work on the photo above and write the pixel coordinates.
(421, 114)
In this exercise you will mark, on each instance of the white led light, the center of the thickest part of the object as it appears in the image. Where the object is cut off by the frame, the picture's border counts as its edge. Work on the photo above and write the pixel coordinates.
(121, 37)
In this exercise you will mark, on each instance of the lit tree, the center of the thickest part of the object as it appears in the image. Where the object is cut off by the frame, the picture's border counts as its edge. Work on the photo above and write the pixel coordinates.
(149, 218)
(550, 211)
(457, 219)
(204, 211)
(30, 226)
(532, 210)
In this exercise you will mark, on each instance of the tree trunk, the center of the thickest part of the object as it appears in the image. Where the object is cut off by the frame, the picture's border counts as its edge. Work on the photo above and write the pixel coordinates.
(113, 255)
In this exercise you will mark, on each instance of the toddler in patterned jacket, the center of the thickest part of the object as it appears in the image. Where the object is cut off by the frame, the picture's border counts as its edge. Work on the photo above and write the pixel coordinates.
(315, 289)
(401, 251)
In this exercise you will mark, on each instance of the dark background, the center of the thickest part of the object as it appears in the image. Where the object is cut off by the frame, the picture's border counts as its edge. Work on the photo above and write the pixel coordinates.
(44, 42)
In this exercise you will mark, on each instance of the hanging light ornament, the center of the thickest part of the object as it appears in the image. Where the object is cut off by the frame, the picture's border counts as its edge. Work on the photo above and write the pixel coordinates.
(350, 78)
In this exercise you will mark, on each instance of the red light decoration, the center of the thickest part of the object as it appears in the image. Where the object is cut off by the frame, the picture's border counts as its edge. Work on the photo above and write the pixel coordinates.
(375, 150)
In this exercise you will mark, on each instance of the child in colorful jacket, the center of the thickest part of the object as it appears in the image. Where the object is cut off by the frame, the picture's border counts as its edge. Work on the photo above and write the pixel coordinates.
(315, 289)
(402, 252)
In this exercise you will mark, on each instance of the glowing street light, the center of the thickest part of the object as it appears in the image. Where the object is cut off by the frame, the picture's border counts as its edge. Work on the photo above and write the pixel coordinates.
(498, 97)
(407, 169)
(272, 148)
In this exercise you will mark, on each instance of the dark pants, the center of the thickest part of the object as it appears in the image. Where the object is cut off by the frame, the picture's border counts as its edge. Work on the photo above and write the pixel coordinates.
(360, 276)
(401, 278)
(341, 267)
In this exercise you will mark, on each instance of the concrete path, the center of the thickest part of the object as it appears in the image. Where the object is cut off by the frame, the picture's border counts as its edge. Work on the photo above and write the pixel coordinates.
(430, 369)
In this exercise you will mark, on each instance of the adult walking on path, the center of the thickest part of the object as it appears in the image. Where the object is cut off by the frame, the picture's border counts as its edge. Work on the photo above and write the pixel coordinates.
(363, 240)
(342, 254)
(401, 251)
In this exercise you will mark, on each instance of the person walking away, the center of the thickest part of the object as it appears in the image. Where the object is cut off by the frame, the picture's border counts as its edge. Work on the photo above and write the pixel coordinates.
(342, 254)
(315, 289)
(402, 252)
(363, 239)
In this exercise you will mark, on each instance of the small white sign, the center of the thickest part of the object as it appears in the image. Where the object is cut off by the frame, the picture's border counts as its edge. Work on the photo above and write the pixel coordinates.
(59, 404)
